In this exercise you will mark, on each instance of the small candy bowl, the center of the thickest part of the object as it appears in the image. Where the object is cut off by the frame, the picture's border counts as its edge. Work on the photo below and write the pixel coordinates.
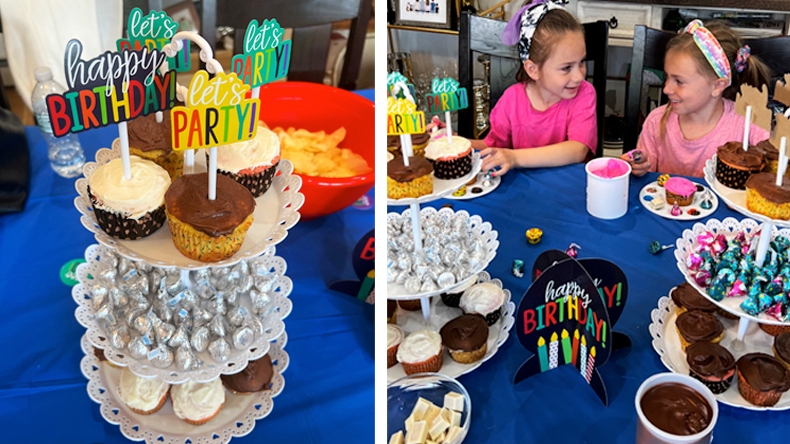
(402, 395)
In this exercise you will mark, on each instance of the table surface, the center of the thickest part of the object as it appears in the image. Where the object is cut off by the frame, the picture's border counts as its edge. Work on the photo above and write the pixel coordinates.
(558, 406)
(43, 398)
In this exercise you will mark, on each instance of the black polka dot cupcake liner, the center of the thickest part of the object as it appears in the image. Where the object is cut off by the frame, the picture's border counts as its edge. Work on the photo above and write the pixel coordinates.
(258, 183)
(452, 169)
(717, 387)
(490, 318)
(126, 228)
(732, 177)
(451, 299)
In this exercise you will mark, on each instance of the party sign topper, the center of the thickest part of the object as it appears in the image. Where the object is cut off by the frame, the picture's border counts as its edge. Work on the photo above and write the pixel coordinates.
(218, 113)
(403, 117)
(396, 78)
(446, 96)
(266, 56)
(154, 31)
(114, 87)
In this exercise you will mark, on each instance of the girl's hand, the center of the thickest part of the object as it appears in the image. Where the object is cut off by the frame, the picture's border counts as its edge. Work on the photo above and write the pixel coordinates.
(637, 169)
(503, 158)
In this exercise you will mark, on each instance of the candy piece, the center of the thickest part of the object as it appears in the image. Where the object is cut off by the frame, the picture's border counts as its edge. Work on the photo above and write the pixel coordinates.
(534, 235)
(750, 306)
(460, 192)
(702, 278)
(693, 212)
(572, 250)
(675, 211)
(438, 427)
(738, 289)
(518, 268)
(637, 156)
(219, 349)
(717, 290)
(693, 261)
(657, 203)
(396, 438)
(662, 179)
(652, 190)
(418, 433)
(454, 401)
(453, 433)
(656, 247)
(764, 301)
(421, 408)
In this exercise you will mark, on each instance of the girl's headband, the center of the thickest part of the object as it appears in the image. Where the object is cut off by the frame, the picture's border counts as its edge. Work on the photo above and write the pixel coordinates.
(521, 27)
(710, 47)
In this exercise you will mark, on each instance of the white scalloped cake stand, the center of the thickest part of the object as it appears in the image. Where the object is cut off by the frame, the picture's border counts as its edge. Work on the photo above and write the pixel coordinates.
(442, 188)
(273, 324)
(237, 417)
(275, 213)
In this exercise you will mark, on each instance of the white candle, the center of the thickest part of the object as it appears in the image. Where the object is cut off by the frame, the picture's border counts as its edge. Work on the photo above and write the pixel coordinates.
(123, 135)
(212, 173)
(449, 126)
(780, 170)
(746, 125)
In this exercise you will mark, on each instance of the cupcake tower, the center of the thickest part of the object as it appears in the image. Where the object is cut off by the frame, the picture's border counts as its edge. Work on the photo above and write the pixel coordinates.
(186, 328)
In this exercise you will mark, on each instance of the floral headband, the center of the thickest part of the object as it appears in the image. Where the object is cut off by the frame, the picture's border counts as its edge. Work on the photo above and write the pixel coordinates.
(521, 27)
(710, 47)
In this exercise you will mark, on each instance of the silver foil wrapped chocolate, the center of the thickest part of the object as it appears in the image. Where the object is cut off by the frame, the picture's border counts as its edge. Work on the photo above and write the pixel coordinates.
(243, 337)
(199, 339)
(219, 350)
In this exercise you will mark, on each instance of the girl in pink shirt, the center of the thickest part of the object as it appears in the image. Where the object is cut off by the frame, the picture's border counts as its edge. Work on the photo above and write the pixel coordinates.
(551, 110)
(704, 69)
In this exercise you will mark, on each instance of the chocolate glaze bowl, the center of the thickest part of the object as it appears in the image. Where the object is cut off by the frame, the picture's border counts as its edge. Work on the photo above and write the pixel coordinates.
(317, 107)
(403, 394)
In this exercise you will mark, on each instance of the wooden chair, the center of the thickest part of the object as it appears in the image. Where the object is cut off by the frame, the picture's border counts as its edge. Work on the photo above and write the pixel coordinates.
(311, 21)
(648, 52)
(481, 35)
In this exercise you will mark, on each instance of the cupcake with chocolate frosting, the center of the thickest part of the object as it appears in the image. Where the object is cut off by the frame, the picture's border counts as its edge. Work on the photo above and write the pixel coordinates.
(711, 364)
(734, 165)
(781, 348)
(687, 297)
(466, 337)
(762, 379)
(256, 376)
(771, 156)
(764, 196)
(414, 180)
(208, 230)
(698, 326)
(152, 141)
(418, 144)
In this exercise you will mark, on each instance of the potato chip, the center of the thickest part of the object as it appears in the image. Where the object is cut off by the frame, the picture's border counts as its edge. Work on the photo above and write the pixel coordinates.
(317, 153)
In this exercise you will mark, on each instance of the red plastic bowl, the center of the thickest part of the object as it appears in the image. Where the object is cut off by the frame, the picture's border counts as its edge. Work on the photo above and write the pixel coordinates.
(317, 107)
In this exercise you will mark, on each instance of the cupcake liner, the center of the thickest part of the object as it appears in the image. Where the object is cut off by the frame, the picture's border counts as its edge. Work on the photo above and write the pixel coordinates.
(200, 246)
(730, 176)
(419, 150)
(452, 169)
(258, 183)
(776, 355)
(410, 305)
(451, 299)
(775, 330)
(203, 420)
(392, 356)
(432, 365)
(122, 227)
(468, 357)
(153, 410)
(717, 387)
(757, 397)
(726, 314)
(671, 198)
(173, 161)
(684, 343)
(490, 318)
(756, 203)
(415, 188)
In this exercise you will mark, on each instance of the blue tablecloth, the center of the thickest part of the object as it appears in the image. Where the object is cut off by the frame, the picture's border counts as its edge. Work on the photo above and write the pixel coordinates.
(328, 385)
(557, 406)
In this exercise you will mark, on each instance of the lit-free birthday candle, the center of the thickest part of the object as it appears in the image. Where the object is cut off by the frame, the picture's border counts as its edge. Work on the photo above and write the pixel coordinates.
(566, 346)
(542, 355)
(553, 351)
(266, 56)
(590, 364)
(583, 356)
(575, 345)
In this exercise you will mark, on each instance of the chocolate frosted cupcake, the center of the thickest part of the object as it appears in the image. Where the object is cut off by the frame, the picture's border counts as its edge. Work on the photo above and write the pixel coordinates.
(775, 330)
(208, 230)
(762, 379)
(256, 376)
(781, 348)
(712, 365)
(466, 337)
(734, 165)
(764, 197)
(450, 160)
(152, 141)
(451, 299)
(414, 180)
(484, 299)
(418, 144)
(771, 156)
(687, 297)
(391, 307)
(698, 326)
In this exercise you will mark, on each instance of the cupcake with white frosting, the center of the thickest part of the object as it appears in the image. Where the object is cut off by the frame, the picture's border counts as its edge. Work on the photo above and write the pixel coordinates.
(197, 403)
(484, 299)
(450, 160)
(142, 395)
(253, 162)
(421, 352)
(394, 338)
(129, 209)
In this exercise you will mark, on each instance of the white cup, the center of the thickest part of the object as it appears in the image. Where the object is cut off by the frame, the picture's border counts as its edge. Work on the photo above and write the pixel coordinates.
(607, 198)
(647, 433)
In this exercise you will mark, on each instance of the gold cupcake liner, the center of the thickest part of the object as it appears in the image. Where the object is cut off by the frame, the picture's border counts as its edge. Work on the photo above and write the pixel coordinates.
(416, 188)
(200, 246)
(756, 203)
(173, 162)
(419, 150)
(757, 397)
(468, 357)
(776, 355)
(432, 365)
(684, 343)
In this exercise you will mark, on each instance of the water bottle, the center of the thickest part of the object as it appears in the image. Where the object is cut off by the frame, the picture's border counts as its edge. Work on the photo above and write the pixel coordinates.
(65, 153)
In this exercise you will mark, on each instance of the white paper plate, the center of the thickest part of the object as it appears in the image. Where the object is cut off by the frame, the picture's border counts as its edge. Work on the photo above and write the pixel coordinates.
(275, 213)
(470, 192)
(280, 308)
(667, 344)
(736, 199)
(411, 321)
(653, 190)
(442, 188)
(237, 417)
(687, 244)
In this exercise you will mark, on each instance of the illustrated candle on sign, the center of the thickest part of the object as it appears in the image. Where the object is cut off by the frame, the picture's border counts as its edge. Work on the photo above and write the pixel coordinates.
(266, 56)
(154, 31)
(218, 113)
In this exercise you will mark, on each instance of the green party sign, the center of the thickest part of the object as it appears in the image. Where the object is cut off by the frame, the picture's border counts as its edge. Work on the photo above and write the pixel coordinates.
(266, 56)
(154, 31)
(446, 96)
(394, 78)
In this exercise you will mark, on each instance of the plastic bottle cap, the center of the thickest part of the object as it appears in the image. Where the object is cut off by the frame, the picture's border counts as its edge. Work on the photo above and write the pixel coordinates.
(43, 73)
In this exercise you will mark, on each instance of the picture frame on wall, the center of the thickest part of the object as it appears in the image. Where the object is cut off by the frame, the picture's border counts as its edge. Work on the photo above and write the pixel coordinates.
(186, 15)
(423, 13)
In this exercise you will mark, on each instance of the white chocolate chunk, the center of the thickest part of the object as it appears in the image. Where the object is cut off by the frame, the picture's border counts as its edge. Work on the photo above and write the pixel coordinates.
(410, 423)
(657, 203)
(438, 427)
(418, 433)
(421, 408)
(455, 418)
(454, 401)
(453, 434)
(431, 414)
(397, 438)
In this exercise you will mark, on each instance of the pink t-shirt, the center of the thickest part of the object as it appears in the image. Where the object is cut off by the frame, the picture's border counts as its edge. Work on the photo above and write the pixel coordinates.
(515, 124)
(676, 155)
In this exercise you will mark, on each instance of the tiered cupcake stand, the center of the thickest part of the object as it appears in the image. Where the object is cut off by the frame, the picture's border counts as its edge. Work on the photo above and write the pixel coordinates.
(741, 336)
(256, 292)
(434, 312)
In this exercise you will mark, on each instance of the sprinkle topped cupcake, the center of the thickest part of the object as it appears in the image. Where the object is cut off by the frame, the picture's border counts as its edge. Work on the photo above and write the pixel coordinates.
(485, 299)
(253, 162)
(421, 352)
(680, 190)
(450, 160)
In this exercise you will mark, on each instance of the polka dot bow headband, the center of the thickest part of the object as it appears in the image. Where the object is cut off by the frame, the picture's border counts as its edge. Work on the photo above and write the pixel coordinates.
(521, 27)
(710, 47)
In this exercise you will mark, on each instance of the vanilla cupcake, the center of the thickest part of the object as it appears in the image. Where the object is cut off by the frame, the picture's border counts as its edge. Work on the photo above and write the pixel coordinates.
(484, 299)
(253, 162)
(421, 352)
(394, 338)
(142, 395)
(133, 208)
(450, 160)
(197, 403)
